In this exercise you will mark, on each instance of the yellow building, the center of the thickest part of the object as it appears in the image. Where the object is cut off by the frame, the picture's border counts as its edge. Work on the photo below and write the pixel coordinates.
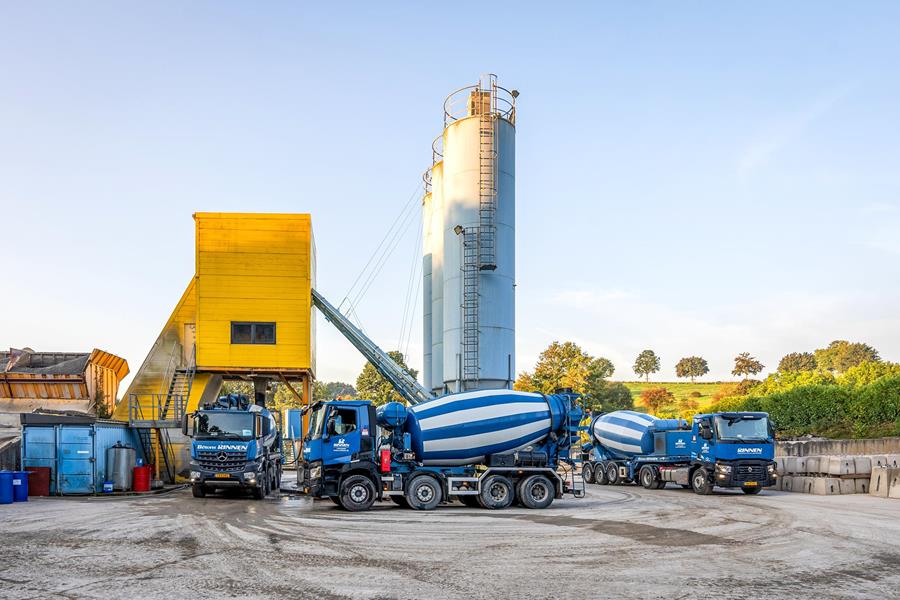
(246, 314)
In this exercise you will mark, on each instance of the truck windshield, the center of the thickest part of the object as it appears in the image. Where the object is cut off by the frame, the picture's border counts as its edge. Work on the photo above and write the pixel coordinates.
(224, 425)
(742, 428)
(317, 423)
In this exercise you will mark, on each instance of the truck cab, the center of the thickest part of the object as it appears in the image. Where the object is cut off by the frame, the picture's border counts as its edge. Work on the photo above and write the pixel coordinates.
(733, 449)
(234, 445)
(340, 443)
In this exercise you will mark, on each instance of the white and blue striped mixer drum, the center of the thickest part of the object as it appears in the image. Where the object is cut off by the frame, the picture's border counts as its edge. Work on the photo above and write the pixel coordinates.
(461, 429)
(626, 433)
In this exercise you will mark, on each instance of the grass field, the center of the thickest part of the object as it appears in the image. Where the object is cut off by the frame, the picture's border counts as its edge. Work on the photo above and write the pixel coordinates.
(680, 389)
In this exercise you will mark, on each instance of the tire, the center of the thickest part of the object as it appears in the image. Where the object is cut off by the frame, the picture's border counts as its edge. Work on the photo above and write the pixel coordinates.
(198, 491)
(600, 474)
(537, 492)
(335, 499)
(423, 493)
(661, 484)
(700, 482)
(612, 473)
(751, 491)
(470, 500)
(258, 492)
(267, 485)
(647, 477)
(686, 486)
(496, 493)
(357, 493)
(399, 501)
(587, 472)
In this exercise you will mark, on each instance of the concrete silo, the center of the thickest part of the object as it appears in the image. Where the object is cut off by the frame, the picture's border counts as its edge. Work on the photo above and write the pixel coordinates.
(472, 241)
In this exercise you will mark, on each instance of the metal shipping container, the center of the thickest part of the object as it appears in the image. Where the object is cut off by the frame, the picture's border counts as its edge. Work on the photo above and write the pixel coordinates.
(74, 448)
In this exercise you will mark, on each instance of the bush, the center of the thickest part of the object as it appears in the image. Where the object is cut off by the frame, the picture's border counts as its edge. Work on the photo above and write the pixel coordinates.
(876, 403)
(695, 394)
(868, 372)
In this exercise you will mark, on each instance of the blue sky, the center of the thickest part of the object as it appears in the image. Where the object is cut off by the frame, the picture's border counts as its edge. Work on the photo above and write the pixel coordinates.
(693, 178)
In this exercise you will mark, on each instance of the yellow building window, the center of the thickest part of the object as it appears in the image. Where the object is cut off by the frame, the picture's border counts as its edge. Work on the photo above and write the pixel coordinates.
(252, 333)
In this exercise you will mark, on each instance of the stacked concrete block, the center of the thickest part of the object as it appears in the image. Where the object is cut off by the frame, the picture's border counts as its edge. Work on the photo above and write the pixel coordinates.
(861, 486)
(879, 484)
(787, 483)
(813, 464)
(841, 465)
(894, 483)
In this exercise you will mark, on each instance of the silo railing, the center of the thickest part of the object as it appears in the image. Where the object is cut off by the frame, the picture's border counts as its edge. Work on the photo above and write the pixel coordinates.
(437, 149)
(479, 99)
(426, 179)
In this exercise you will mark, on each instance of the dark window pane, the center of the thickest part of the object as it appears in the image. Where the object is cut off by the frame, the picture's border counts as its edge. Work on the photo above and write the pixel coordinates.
(241, 333)
(264, 333)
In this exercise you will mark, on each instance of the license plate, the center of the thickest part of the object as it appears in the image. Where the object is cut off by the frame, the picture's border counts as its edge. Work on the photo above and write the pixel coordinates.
(222, 475)
(751, 484)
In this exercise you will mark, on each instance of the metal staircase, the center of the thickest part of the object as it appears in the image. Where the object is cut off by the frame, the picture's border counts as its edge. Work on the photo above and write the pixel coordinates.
(470, 301)
(487, 160)
(405, 384)
(179, 387)
(157, 446)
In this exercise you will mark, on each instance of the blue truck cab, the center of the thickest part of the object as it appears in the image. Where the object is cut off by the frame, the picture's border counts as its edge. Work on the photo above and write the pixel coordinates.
(727, 450)
(234, 445)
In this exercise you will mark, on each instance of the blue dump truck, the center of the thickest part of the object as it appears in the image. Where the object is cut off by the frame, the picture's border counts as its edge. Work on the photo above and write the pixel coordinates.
(729, 450)
(486, 448)
(234, 445)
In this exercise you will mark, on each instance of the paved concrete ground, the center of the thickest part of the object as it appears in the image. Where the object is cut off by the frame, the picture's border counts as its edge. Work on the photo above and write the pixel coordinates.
(616, 542)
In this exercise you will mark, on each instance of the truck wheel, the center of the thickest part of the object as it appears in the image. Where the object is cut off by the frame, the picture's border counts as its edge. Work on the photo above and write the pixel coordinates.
(470, 500)
(752, 491)
(357, 493)
(587, 472)
(423, 493)
(399, 501)
(198, 491)
(686, 486)
(496, 493)
(537, 492)
(259, 492)
(700, 482)
(335, 499)
(612, 473)
(600, 474)
(648, 477)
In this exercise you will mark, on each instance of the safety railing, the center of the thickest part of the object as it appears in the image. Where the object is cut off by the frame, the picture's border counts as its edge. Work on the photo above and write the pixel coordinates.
(155, 408)
(485, 97)
(426, 180)
(437, 149)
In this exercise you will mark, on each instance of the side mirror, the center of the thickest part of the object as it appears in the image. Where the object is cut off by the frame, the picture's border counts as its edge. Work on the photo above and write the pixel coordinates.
(329, 428)
(184, 425)
(705, 432)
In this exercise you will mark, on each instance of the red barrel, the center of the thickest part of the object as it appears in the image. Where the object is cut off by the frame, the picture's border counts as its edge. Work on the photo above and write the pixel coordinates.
(39, 481)
(141, 480)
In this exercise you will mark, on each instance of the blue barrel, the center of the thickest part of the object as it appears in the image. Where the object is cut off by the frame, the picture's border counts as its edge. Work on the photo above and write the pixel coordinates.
(461, 429)
(626, 433)
(6, 487)
(20, 486)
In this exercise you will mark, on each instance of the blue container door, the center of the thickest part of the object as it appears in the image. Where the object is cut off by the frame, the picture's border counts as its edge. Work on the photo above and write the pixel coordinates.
(76, 460)
(39, 450)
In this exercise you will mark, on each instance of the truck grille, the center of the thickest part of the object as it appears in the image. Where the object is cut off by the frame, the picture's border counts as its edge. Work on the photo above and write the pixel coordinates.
(748, 472)
(221, 460)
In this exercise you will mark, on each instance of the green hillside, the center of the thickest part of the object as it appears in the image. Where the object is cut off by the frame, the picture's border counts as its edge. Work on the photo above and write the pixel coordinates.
(680, 389)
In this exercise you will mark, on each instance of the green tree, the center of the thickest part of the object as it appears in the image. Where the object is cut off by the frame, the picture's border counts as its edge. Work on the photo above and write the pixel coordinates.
(746, 365)
(610, 396)
(841, 355)
(797, 361)
(560, 366)
(692, 366)
(647, 362)
(329, 390)
(657, 399)
(868, 372)
(370, 385)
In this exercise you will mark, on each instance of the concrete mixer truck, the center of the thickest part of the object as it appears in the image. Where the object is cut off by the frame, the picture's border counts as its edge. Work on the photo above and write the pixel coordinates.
(729, 450)
(486, 448)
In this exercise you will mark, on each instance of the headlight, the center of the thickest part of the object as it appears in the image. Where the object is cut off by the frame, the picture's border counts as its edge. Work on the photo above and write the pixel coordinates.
(771, 468)
(250, 476)
(723, 468)
(195, 475)
(315, 472)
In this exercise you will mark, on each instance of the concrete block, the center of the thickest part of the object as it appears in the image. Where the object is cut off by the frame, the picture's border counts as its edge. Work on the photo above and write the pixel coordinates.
(841, 465)
(800, 465)
(790, 465)
(825, 486)
(779, 466)
(847, 486)
(812, 464)
(879, 483)
(804, 485)
(862, 465)
(779, 481)
(894, 483)
(787, 483)
(893, 460)
(878, 460)
(861, 485)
